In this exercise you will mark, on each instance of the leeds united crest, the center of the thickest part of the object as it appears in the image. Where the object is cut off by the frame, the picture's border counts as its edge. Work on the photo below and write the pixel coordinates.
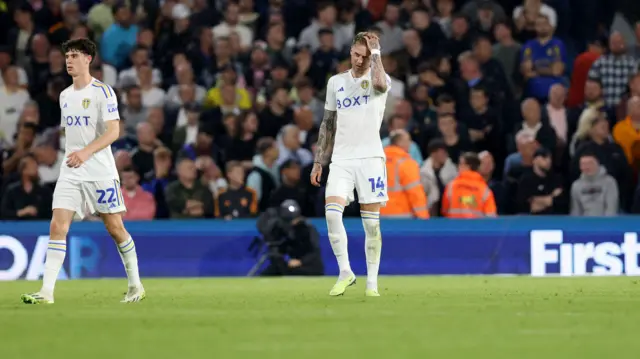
(85, 103)
(364, 84)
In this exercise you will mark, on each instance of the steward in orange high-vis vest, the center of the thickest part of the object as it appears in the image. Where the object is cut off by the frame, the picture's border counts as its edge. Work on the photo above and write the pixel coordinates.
(407, 198)
(468, 196)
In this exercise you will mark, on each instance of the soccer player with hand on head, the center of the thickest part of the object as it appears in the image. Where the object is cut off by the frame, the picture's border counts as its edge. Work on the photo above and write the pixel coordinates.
(350, 138)
(89, 176)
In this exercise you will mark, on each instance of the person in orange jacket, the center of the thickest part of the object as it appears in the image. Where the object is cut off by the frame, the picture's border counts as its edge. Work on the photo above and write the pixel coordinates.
(407, 198)
(468, 196)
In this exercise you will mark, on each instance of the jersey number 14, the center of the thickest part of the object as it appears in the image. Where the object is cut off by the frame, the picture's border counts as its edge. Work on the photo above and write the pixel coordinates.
(376, 184)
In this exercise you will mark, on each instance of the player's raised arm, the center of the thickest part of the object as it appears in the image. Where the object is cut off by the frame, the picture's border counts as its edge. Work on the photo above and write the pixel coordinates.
(379, 78)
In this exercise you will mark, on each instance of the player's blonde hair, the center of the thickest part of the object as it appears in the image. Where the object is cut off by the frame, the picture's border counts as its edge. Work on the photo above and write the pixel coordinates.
(359, 39)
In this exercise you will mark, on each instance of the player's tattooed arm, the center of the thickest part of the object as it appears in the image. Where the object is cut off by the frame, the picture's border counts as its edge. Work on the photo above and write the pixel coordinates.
(326, 137)
(378, 76)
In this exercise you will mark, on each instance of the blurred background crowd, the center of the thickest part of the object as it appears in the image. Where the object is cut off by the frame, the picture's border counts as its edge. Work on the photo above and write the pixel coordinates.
(221, 101)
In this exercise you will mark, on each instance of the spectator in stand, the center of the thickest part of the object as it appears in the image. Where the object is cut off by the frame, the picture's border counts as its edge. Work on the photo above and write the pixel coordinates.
(140, 203)
(134, 112)
(322, 64)
(290, 147)
(100, 18)
(120, 38)
(626, 134)
(12, 99)
(48, 103)
(517, 164)
(482, 122)
(49, 162)
(437, 171)
(634, 90)
(411, 56)
(460, 41)
(240, 96)
(444, 16)
(187, 197)
(490, 67)
(406, 195)
(525, 17)
(487, 166)
(184, 76)
(231, 25)
(595, 193)
(308, 100)
(139, 57)
(6, 61)
(540, 191)
(38, 67)
(152, 95)
(557, 114)
(391, 38)
(291, 188)
(126, 141)
(26, 199)
(399, 123)
(238, 200)
(62, 31)
(264, 178)
(21, 37)
(326, 20)
(187, 133)
(614, 69)
(24, 141)
(277, 114)
(157, 181)
(581, 67)
(592, 99)
(142, 155)
(203, 147)
(532, 124)
(468, 195)
(544, 60)
(122, 159)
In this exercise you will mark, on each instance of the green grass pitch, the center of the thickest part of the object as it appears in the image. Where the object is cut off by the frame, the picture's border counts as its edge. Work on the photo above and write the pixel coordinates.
(416, 317)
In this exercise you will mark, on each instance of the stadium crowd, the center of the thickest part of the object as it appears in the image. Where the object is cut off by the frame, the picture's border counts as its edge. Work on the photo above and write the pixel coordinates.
(221, 102)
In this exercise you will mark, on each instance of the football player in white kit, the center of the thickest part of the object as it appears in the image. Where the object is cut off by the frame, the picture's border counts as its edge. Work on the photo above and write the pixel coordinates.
(350, 137)
(89, 177)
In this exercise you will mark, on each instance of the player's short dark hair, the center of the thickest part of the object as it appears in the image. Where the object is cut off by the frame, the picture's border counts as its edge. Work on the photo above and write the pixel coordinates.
(83, 46)
(472, 160)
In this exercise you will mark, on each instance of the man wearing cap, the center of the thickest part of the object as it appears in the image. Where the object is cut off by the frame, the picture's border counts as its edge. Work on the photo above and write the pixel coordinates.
(540, 191)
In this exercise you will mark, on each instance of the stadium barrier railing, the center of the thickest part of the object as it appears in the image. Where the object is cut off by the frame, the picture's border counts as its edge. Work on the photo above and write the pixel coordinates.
(537, 246)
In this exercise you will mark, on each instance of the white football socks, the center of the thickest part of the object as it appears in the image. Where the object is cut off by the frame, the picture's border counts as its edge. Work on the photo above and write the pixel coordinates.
(372, 246)
(56, 252)
(338, 237)
(129, 257)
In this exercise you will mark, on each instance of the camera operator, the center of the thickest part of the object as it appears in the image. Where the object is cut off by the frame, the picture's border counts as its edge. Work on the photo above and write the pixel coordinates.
(293, 243)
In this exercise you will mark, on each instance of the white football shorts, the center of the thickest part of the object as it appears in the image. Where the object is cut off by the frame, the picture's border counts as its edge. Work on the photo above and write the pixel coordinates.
(367, 175)
(97, 196)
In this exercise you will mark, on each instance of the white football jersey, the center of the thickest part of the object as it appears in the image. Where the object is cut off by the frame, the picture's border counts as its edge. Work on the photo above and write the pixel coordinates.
(360, 111)
(84, 116)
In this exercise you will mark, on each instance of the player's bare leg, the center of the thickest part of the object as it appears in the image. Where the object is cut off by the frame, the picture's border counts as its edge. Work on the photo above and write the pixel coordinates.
(127, 249)
(56, 251)
(338, 238)
(370, 214)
